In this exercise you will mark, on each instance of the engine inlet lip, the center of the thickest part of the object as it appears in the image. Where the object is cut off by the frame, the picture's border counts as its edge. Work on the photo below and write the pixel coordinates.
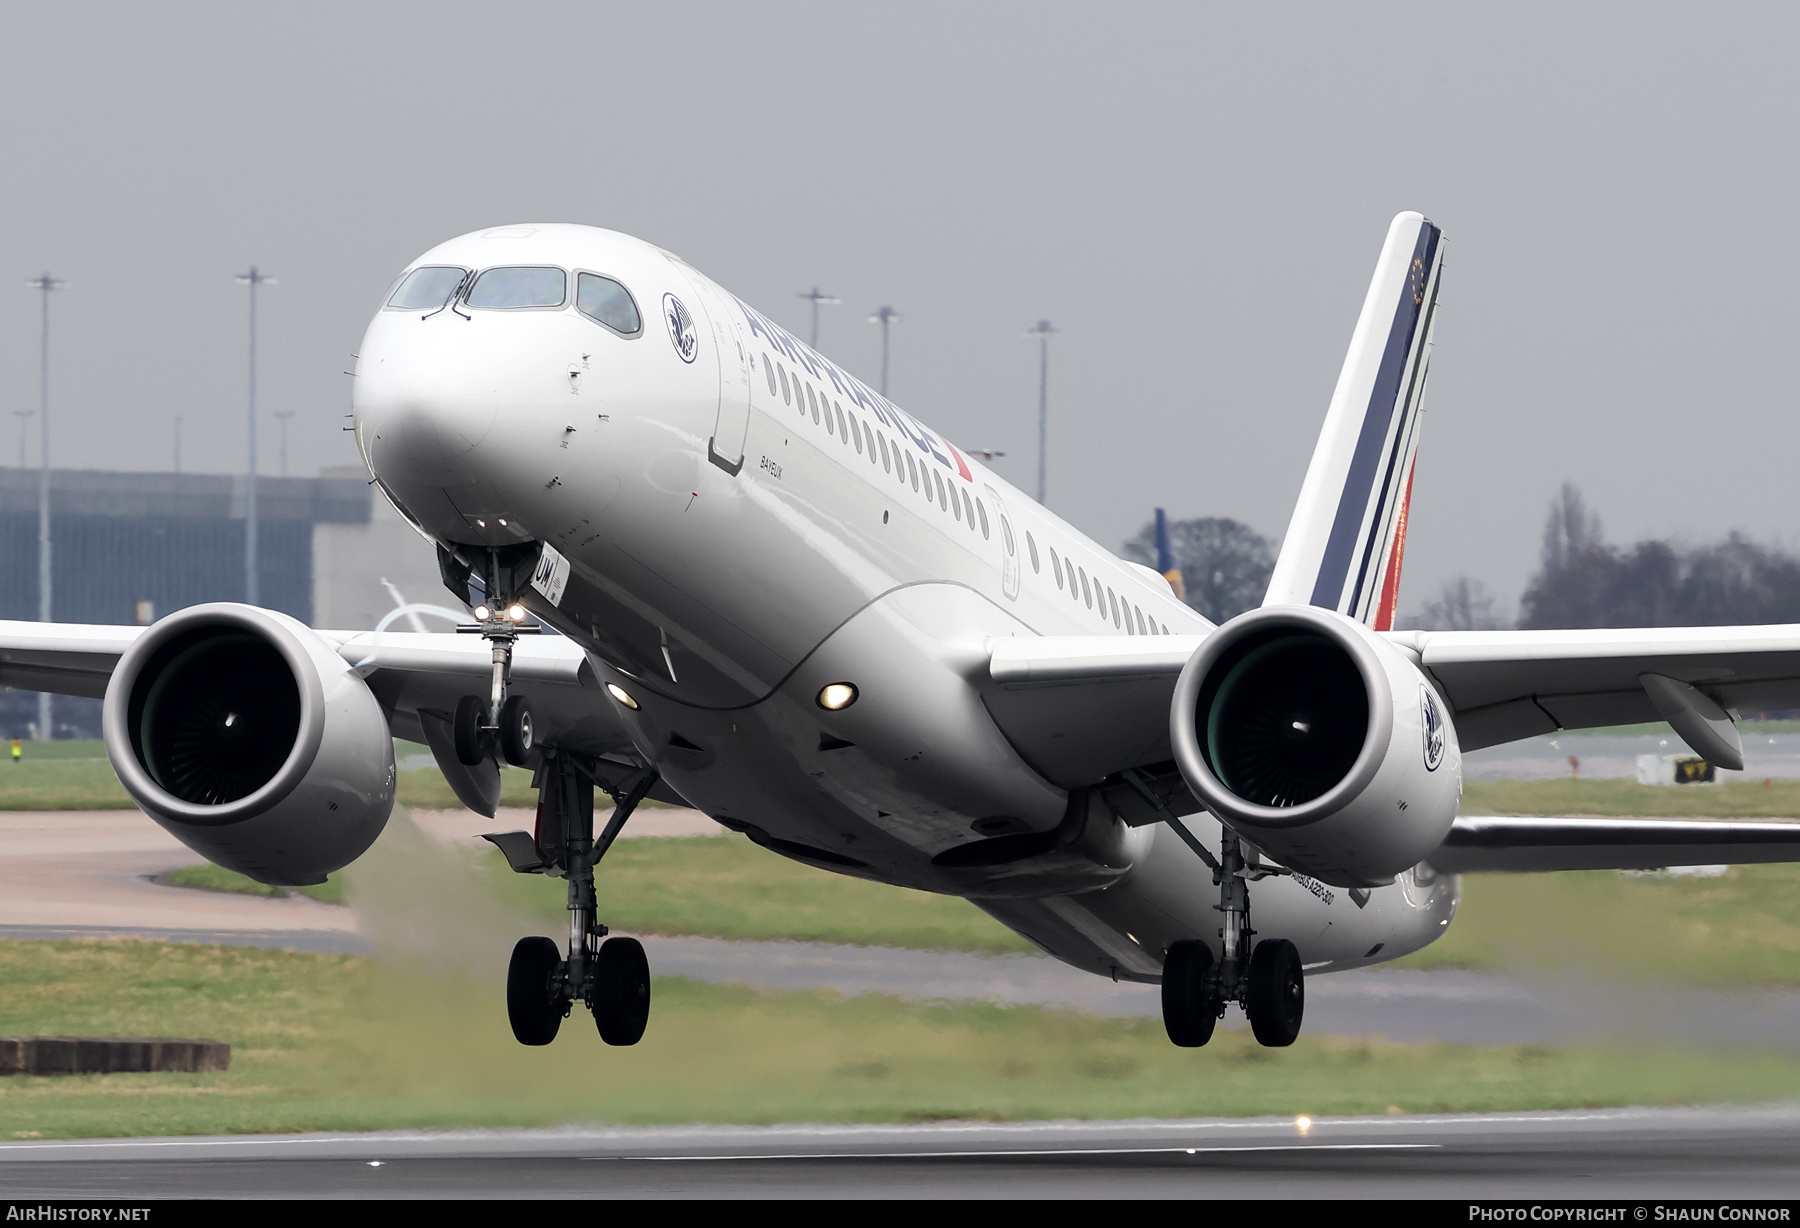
(266, 625)
(1184, 733)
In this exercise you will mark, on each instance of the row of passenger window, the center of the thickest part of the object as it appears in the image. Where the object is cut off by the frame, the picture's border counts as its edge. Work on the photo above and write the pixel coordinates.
(867, 440)
(870, 441)
(519, 287)
(1093, 594)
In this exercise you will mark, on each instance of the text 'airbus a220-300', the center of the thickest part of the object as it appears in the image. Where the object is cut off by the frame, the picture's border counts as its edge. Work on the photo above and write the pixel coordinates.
(774, 595)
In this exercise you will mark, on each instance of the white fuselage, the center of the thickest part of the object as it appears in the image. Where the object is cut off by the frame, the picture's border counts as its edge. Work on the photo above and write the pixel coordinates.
(744, 524)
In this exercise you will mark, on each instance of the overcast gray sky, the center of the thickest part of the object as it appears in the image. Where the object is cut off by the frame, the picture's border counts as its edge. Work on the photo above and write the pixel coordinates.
(1193, 194)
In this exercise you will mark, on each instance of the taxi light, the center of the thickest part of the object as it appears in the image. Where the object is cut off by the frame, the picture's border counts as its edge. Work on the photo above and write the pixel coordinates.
(618, 693)
(837, 696)
(516, 612)
(482, 613)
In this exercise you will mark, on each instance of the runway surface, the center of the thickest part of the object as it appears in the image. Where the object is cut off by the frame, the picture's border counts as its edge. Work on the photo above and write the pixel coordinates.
(1627, 1155)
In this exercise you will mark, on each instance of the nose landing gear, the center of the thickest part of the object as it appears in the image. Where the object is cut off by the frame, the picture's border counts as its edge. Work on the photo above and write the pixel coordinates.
(502, 720)
(1268, 985)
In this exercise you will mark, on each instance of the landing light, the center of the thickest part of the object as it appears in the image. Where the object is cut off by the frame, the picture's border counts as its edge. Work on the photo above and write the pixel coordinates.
(837, 696)
(618, 693)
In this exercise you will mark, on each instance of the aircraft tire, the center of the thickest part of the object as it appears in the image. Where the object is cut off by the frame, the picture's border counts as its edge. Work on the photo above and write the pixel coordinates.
(515, 730)
(471, 745)
(621, 1001)
(1189, 1011)
(1276, 1000)
(534, 1013)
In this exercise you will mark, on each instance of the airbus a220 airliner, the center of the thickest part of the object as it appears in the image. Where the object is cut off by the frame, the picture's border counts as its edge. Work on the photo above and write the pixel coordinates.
(780, 598)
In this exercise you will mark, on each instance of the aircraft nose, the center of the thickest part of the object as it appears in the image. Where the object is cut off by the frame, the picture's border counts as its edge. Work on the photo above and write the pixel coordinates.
(424, 404)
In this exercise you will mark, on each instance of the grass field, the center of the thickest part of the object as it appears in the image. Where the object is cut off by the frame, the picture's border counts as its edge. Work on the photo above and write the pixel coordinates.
(716, 886)
(339, 1043)
(725, 886)
(1742, 929)
(76, 775)
(208, 877)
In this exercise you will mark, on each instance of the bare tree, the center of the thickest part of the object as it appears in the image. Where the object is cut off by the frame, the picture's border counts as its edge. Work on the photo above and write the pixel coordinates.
(1462, 605)
(1582, 581)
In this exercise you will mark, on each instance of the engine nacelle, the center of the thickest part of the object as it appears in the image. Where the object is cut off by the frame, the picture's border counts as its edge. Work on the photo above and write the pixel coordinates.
(252, 742)
(1318, 742)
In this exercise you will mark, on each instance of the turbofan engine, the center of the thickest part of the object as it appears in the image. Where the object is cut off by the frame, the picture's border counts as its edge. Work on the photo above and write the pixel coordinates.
(1318, 742)
(243, 734)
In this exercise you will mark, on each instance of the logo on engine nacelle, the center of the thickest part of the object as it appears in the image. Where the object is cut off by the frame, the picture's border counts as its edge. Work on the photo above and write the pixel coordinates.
(1431, 723)
(681, 328)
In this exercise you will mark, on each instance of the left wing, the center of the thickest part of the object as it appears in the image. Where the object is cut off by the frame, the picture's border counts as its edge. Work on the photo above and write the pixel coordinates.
(1079, 708)
(1506, 685)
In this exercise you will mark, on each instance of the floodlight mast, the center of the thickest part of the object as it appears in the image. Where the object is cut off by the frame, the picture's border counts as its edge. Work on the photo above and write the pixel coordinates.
(1043, 331)
(816, 296)
(282, 417)
(252, 590)
(44, 284)
(884, 316)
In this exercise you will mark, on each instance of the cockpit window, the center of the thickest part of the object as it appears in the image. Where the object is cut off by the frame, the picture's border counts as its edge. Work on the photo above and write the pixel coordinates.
(605, 300)
(428, 288)
(519, 287)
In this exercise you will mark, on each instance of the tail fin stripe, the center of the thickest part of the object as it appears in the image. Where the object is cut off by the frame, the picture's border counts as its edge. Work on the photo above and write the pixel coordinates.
(1378, 419)
(1399, 469)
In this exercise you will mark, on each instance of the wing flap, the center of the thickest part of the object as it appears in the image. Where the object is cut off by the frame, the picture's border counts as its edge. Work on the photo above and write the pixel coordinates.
(1518, 845)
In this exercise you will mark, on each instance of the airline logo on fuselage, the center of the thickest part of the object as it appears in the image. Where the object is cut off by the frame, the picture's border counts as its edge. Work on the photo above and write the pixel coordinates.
(681, 328)
(897, 420)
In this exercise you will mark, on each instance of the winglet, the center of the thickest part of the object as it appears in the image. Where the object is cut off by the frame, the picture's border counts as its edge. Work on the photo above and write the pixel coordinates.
(1345, 543)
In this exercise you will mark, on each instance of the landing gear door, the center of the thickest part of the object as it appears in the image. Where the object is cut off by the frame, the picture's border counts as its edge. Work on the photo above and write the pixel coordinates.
(1009, 545)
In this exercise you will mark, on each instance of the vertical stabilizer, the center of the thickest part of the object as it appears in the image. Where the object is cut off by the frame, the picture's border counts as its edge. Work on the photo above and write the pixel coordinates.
(1344, 545)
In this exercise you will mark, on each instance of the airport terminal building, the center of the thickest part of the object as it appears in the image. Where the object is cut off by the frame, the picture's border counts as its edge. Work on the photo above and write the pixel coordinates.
(131, 547)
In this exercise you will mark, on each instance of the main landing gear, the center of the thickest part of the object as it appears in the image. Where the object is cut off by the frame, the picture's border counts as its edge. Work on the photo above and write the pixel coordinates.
(610, 975)
(1268, 985)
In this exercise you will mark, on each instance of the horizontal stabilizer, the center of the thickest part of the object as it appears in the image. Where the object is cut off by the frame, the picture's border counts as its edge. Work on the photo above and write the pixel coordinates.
(1525, 845)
